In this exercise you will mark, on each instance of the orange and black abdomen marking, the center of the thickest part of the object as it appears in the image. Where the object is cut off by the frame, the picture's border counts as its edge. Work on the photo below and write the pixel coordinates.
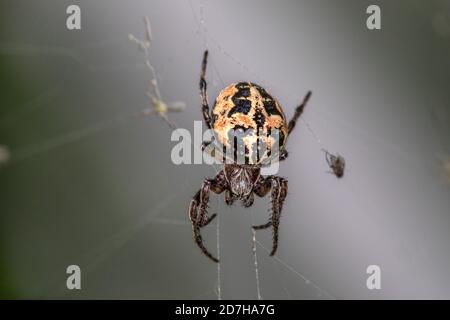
(270, 105)
(244, 106)
(241, 99)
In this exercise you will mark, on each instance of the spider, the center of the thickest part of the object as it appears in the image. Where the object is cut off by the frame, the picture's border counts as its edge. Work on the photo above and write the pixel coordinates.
(336, 163)
(243, 105)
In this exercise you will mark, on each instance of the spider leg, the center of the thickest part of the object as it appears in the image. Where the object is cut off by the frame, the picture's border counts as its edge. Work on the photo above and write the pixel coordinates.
(198, 214)
(298, 112)
(198, 210)
(263, 226)
(203, 92)
(208, 220)
(205, 144)
(229, 198)
(279, 192)
(248, 201)
(279, 188)
(283, 154)
(262, 186)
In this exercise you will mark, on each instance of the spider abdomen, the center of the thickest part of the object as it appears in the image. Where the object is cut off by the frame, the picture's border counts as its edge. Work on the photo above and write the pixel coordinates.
(249, 111)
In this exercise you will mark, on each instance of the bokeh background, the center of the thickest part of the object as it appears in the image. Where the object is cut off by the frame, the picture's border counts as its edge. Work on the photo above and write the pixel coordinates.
(90, 184)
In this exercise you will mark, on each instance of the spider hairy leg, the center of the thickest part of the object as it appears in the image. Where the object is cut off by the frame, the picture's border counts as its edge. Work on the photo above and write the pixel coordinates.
(263, 226)
(205, 144)
(203, 92)
(229, 198)
(279, 187)
(298, 112)
(198, 210)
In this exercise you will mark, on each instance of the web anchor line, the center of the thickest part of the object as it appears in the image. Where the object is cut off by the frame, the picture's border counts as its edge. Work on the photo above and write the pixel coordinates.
(255, 260)
(219, 285)
(202, 28)
(301, 276)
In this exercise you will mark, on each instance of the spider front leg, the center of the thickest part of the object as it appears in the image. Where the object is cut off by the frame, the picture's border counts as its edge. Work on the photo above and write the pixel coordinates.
(279, 187)
(298, 112)
(203, 92)
(198, 210)
(291, 125)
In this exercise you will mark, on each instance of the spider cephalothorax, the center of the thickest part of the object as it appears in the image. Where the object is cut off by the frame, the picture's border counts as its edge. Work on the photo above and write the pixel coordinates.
(248, 108)
(241, 180)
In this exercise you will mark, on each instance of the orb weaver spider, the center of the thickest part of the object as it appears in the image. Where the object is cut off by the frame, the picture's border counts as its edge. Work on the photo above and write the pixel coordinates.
(249, 106)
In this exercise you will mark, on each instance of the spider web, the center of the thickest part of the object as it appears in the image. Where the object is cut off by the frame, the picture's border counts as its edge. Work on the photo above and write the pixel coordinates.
(103, 252)
(289, 273)
(100, 254)
(202, 32)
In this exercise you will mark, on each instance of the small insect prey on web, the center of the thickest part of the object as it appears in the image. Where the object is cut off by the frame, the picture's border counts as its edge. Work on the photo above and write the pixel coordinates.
(336, 163)
(158, 106)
